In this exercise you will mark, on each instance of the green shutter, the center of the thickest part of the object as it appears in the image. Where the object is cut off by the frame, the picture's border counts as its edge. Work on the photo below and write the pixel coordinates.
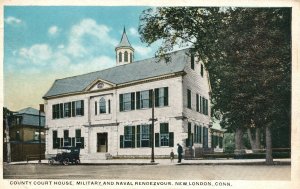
(200, 102)
(189, 102)
(138, 105)
(197, 102)
(73, 141)
(53, 112)
(171, 139)
(121, 141)
(200, 134)
(133, 137)
(82, 107)
(132, 101)
(73, 109)
(138, 136)
(156, 139)
(82, 142)
(150, 98)
(156, 95)
(61, 110)
(121, 102)
(195, 133)
(166, 96)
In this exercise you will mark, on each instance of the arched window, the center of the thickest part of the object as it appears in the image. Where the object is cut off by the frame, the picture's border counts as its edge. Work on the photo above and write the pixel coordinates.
(120, 57)
(102, 104)
(131, 57)
(126, 56)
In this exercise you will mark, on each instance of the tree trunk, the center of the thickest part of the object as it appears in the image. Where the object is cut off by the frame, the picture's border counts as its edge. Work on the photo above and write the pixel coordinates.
(257, 139)
(269, 157)
(238, 141)
(252, 142)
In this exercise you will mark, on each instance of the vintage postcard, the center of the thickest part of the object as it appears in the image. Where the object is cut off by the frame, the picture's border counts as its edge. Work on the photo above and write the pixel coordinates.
(127, 94)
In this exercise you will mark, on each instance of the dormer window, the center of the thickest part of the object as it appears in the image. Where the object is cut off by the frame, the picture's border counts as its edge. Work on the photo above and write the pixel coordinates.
(126, 56)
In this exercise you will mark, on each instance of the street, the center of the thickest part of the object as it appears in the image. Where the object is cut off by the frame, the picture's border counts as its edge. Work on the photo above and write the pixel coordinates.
(145, 172)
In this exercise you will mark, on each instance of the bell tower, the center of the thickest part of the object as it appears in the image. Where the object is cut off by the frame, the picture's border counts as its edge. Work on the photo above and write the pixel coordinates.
(124, 51)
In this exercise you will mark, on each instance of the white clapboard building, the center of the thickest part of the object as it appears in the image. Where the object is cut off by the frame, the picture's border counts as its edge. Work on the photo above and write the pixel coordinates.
(108, 112)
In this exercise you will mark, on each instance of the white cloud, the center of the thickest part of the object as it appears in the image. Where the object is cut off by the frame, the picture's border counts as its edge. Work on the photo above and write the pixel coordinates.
(12, 20)
(143, 51)
(53, 30)
(90, 28)
(36, 54)
(133, 32)
(61, 46)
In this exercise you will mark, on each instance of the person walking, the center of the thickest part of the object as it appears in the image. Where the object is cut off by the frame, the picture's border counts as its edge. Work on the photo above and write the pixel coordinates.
(179, 151)
(172, 156)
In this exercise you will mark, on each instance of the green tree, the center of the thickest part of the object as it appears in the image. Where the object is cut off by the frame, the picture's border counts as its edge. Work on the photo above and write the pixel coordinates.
(247, 54)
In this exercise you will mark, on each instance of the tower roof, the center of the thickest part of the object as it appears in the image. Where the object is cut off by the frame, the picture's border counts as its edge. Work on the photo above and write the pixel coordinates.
(124, 40)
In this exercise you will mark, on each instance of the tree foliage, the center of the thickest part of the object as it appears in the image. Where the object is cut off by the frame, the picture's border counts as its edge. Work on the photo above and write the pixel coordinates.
(247, 52)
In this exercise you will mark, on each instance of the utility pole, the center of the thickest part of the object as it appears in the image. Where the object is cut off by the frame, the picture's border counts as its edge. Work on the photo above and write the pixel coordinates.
(152, 130)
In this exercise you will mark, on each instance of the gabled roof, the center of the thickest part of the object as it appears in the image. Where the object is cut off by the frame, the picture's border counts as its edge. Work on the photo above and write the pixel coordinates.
(122, 74)
(124, 41)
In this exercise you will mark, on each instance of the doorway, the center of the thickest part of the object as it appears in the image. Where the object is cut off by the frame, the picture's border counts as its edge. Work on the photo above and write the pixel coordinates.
(101, 142)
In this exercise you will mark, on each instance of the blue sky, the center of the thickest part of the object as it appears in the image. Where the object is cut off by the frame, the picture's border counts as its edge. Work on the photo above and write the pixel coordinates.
(42, 44)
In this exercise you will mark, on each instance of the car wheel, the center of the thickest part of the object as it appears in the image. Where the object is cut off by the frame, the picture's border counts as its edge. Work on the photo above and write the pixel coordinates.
(65, 161)
(77, 161)
(51, 161)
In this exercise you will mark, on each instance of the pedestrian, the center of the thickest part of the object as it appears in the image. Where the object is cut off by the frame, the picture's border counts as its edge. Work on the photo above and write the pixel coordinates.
(179, 151)
(172, 156)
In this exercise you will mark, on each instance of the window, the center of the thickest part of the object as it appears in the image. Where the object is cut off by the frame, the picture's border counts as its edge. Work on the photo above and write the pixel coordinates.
(143, 132)
(144, 99)
(79, 107)
(36, 135)
(79, 141)
(95, 107)
(57, 111)
(67, 109)
(55, 140)
(126, 56)
(161, 97)
(201, 70)
(131, 57)
(164, 134)
(66, 138)
(102, 105)
(193, 62)
(120, 57)
(129, 140)
(127, 101)
(17, 135)
(189, 99)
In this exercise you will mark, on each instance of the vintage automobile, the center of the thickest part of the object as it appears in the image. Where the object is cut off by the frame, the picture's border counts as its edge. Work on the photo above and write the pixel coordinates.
(66, 156)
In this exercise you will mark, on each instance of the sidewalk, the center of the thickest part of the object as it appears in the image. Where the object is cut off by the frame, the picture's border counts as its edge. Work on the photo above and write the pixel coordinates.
(168, 162)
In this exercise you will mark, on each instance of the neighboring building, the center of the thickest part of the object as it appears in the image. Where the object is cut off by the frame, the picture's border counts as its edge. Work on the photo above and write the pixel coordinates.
(24, 135)
(108, 112)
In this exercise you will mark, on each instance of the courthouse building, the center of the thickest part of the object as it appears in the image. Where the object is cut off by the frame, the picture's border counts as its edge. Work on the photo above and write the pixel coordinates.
(108, 112)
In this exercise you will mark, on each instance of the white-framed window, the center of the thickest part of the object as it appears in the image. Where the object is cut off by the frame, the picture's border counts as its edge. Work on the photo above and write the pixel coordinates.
(102, 106)
(145, 135)
(161, 96)
(126, 56)
(129, 133)
(127, 101)
(164, 134)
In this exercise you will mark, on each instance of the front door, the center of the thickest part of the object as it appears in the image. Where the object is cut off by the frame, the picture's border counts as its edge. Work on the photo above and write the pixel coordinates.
(101, 142)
